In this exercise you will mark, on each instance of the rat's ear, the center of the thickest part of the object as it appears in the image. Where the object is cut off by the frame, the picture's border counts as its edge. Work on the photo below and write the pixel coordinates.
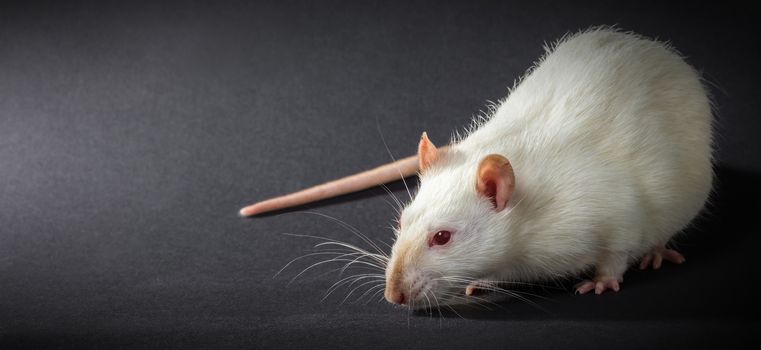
(426, 152)
(496, 180)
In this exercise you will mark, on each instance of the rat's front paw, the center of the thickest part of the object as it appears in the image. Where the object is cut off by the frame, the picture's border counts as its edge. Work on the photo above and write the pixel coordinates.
(475, 285)
(599, 285)
(656, 257)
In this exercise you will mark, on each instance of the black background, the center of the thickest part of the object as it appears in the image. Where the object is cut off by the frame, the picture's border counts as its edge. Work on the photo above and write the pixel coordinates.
(130, 135)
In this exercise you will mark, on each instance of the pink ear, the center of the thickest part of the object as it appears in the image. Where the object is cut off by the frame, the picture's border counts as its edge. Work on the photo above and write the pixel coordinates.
(496, 180)
(426, 153)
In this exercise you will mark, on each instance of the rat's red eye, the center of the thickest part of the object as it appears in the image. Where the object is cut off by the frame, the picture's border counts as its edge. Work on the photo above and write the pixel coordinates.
(440, 238)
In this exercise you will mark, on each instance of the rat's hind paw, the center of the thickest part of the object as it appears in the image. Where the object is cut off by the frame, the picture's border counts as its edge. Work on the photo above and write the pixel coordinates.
(656, 257)
(599, 285)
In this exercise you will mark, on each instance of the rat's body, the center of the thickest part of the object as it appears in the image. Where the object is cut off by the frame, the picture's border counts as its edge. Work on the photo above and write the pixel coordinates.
(597, 158)
(610, 141)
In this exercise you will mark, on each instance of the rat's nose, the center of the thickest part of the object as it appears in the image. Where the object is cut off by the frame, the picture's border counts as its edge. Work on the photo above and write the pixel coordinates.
(395, 297)
(394, 280)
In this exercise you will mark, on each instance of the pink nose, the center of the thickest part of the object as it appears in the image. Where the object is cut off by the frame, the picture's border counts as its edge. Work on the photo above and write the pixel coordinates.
(395, 297)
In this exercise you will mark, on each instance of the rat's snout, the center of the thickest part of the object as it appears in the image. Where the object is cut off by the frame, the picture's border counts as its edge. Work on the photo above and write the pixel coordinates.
(407, 288)
(394, 293)
(394, 296)
(394, 276)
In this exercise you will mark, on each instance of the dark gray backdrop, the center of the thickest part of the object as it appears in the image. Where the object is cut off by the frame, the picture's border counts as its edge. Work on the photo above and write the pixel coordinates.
(131, 133)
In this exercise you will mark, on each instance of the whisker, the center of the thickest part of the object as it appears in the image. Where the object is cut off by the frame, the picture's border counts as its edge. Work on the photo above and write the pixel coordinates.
(438, 308)
(355, 260)
(355, 288)
(328, 241)
(383, 255)
(429, 306)
(469, 298)
(351, 229)
(315, 237)
(383, 138)
(348, 257)
(340, 275)
(492, 287)
(373, 296)
(349, 254)
(396, 210)
(409, 306)
(382, 285)
(533, 295)
(468, 280)
(345, 280)
(455, 312)
(485, 301)
(399, 204)
(515, 295)
(306, 256)
(375, 262)
(466, 300)
(380, 258)
(329, 261)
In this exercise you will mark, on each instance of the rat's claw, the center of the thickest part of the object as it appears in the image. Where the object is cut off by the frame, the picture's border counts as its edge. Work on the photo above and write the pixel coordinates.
(646, 261)
(584, 287)
(470, 289)
(599, 285)
(656, 257)
(473, 286)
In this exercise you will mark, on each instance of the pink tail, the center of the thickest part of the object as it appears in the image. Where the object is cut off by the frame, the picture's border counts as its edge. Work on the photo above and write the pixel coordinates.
(380, 175)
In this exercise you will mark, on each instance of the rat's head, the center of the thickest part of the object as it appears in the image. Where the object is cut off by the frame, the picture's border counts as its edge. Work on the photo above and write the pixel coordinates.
(446, 236)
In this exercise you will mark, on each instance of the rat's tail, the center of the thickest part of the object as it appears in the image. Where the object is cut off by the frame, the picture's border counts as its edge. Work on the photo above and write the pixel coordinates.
(357, 182)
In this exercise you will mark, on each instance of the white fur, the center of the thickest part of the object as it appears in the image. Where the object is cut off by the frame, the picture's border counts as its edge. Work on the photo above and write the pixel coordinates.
(610, 140)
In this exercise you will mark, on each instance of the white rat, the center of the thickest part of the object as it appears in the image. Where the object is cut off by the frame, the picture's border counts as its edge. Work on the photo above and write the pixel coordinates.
(597, 158)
